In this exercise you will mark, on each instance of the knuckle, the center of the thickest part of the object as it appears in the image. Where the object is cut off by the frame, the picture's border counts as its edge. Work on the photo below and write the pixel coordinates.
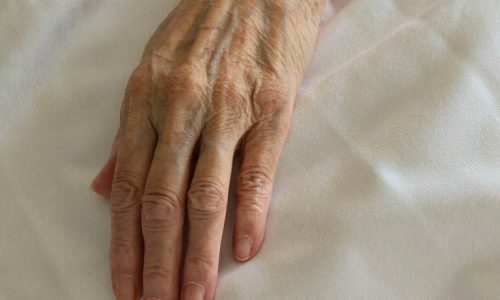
(186, 77)
(231, 109)
(154, 272)
(138, 82)
(206, 198)
(117, 275)
(272, 128)
(254, 186)
(275, 91)
(272, 97)
(224, 129)
(232, 78)
(203, 262)
(133, 109)
(229, 93)
(159, 61)
(183, 115)
(125, 191)
(255, 179)
(160, 207)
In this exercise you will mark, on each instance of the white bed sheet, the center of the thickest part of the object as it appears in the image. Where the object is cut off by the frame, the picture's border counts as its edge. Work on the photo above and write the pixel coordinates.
(389, 184)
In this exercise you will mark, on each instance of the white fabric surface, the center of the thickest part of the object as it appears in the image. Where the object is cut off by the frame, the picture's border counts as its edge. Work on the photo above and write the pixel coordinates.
(389, 184)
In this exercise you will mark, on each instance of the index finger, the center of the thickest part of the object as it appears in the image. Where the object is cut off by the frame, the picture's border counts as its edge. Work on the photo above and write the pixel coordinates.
(125, 251)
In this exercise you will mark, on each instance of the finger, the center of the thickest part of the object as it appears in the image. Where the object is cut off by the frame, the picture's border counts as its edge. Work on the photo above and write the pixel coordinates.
(163, 207)
(260, 155)
(133, 159)
(206, 206)
(103, 180)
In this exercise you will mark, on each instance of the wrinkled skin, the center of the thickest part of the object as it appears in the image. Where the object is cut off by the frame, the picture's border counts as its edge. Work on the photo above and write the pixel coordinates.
(217, 76)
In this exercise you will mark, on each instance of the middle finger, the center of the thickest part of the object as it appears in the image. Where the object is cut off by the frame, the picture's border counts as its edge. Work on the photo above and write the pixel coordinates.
(206, 207)
(163, 206)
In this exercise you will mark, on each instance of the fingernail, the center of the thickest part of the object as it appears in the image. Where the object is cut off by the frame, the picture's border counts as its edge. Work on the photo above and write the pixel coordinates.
(193, 291)
(242, 250)
(125, 287)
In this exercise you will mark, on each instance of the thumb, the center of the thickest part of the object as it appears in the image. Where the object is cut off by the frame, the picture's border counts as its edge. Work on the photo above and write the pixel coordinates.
(104, 178)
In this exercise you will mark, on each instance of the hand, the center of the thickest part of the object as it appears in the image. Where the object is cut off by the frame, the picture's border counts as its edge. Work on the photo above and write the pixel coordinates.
(216, 76)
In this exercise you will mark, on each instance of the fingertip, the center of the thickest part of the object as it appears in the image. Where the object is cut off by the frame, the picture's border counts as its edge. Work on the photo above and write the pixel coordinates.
(249, 231)
(102, 190)
(100, 184)
(103, 181)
